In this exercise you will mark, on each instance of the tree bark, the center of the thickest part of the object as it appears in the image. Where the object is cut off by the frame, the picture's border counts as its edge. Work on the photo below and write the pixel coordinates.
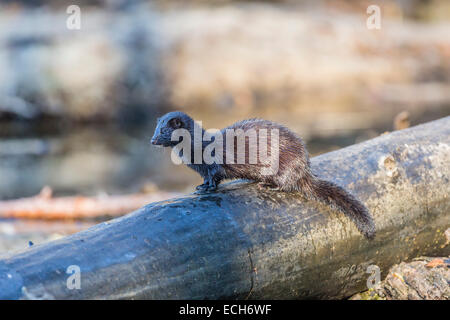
(245, 241)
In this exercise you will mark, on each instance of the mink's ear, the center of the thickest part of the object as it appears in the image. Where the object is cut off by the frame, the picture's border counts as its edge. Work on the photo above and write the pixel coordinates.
(175, 123)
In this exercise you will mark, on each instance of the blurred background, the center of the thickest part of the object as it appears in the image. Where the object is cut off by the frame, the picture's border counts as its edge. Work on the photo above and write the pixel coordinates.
(78, 107)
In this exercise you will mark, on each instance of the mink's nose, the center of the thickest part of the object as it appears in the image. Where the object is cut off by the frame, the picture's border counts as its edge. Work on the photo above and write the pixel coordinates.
(154, 141)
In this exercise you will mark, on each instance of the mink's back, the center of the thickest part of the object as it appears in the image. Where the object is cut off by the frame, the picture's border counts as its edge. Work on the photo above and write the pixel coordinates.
(293, 160)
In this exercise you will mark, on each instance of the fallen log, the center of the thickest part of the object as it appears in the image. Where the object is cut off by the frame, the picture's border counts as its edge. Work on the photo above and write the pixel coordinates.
(247, 242)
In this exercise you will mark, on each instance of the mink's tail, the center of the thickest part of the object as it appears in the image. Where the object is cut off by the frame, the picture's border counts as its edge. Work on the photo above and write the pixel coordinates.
(339, 199)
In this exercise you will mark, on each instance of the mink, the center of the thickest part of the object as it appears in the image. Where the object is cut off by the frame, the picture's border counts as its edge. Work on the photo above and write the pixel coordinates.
(293, 174)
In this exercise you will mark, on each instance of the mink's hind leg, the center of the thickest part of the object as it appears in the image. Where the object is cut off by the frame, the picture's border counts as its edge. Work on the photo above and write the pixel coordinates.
(268, 186)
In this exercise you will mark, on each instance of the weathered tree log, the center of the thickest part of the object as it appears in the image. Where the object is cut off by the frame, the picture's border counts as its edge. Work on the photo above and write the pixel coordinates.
(248, 242)
(424, 278)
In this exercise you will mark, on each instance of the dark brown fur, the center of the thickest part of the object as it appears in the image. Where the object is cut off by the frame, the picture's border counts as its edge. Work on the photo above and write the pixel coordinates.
(293, 175)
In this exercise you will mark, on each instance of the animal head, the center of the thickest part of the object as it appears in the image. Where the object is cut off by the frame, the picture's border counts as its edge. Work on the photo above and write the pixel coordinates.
(167, 124)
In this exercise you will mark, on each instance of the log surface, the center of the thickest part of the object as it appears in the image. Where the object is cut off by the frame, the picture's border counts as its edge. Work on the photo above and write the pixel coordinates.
(247, 242)
(424, 278)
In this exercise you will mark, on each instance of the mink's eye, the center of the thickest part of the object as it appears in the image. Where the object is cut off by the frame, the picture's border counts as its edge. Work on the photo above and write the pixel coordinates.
(175, 123)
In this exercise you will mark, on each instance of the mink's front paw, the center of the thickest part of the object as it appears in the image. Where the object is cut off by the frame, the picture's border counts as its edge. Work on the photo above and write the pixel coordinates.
(211, 188)
(267, 186)
(202, 187)
(206, 189)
